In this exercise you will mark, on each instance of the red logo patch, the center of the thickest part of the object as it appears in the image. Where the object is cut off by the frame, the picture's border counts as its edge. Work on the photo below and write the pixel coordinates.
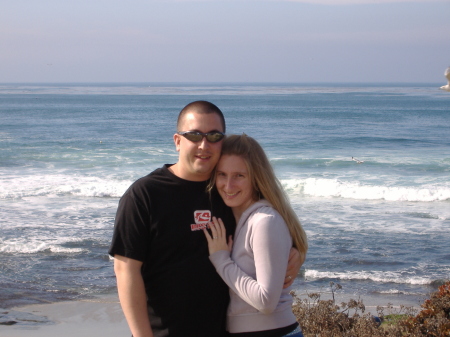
(202, 218)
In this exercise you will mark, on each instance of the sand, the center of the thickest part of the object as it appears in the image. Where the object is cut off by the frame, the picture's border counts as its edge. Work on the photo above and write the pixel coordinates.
(104, 317)
(98, 317)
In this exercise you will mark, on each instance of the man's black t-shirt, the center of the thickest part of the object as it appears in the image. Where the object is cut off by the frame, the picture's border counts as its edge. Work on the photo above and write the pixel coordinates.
(159, 222)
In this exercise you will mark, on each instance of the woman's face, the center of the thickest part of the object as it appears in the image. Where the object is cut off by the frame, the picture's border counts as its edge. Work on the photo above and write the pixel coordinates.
(234, 184)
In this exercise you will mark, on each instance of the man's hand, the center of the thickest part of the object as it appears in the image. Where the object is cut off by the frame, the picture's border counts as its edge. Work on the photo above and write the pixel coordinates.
(295, 262)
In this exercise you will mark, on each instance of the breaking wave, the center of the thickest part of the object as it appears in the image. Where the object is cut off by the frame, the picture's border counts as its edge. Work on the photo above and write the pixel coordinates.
(60, 184)
(328, 188)
(375, 276)
(88, 186)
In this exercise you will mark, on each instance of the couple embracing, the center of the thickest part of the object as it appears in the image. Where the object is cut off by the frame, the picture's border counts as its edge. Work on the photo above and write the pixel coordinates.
(209, 246)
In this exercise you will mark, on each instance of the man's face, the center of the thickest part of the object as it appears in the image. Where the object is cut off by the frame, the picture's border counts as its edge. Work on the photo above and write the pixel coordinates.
(197, 160)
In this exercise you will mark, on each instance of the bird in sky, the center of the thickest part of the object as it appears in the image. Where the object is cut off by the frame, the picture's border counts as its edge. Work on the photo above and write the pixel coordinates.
(357, 161)
(447, 74)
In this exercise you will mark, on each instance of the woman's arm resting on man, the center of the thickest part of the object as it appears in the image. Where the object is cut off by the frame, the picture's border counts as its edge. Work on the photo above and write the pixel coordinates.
(219, 243)
(132, 296)
(270, 241)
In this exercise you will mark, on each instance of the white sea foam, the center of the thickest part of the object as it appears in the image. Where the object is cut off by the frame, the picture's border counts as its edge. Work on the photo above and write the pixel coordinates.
(91, 186)
(36, 247)
(319, 187)
(61, 184)
(398, 292)
(380, 276)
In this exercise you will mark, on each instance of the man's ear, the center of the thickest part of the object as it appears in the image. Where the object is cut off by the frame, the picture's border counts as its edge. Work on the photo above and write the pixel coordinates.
(177, 140)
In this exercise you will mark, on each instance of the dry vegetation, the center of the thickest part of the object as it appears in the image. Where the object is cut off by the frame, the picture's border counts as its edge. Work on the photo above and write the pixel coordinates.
(320, 318)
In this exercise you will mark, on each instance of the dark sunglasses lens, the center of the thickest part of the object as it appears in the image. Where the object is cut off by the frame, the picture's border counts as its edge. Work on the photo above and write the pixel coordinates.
(214, 137)
(193, 136)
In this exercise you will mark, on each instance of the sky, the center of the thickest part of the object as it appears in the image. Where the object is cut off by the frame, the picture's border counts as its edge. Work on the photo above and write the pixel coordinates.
(303, 41)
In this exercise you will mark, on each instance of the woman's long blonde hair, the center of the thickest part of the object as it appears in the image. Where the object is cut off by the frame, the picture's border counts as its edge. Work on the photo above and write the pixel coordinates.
(265, 183)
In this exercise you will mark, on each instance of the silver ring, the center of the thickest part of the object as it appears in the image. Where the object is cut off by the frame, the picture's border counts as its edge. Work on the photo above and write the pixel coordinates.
(214, 237)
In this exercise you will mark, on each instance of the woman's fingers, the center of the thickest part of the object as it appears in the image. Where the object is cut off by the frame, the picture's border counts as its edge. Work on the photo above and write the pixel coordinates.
(208, 237)
(217, 228)
(214, 231)
(217, 239)
(222, 227)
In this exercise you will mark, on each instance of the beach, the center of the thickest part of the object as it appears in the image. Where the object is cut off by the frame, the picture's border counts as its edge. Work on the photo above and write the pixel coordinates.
(379, 226)
(95, 317)
(103, 316)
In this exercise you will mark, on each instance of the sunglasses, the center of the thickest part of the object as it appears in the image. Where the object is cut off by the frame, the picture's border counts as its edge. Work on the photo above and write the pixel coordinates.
(195, 136)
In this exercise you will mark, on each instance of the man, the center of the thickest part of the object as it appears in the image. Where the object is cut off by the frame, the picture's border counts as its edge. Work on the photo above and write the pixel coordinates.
(166, 283)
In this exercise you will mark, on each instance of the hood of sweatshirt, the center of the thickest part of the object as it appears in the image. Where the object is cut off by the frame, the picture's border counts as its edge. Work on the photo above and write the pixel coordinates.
(249, 211)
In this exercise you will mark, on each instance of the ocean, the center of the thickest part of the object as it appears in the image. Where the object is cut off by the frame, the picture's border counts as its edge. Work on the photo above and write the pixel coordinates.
(380, 227)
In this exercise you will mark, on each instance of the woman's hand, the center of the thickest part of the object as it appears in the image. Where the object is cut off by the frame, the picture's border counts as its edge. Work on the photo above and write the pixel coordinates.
(217, 240)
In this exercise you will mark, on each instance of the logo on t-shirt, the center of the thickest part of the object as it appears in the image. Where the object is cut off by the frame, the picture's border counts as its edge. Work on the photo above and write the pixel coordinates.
(202, 218)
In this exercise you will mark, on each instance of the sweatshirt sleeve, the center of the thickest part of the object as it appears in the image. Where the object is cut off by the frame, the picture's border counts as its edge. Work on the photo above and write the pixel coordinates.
(270, 241)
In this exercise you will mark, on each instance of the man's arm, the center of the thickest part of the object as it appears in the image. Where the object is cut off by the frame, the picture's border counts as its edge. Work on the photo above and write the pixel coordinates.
(295, 262)
(132, 296)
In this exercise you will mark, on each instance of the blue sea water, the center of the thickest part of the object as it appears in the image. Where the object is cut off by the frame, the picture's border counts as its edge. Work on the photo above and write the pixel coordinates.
(381, 227)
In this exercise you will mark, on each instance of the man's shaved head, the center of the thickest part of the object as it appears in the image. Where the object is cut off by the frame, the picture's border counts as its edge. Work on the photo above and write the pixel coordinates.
(200, 107)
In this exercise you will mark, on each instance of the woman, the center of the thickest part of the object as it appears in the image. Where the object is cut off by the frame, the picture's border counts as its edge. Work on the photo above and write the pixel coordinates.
(267, 227)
